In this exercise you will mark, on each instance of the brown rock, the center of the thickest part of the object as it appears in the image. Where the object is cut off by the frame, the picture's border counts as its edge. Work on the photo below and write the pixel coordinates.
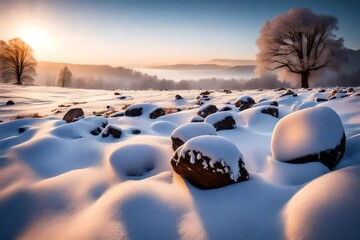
(111, 130)
(73, 114)
(207, 110)
(157, 113)
(271, 111)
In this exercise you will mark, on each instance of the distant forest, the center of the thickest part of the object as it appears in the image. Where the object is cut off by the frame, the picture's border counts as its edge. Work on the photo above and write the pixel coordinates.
(107, 77)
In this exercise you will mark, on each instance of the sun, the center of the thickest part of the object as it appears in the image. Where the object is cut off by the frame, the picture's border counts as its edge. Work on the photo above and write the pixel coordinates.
(33, 36)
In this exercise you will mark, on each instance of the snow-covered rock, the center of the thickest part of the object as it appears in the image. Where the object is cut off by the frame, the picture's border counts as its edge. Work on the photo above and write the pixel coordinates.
(151, 110)
(206, 110)
(244, 102)
(196, 119)
(189, 130)
(210, 162)
(312, 134)
(112, 130)
(221, 120)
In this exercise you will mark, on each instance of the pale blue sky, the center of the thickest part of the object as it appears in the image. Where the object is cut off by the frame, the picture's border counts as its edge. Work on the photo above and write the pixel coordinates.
(151, 32)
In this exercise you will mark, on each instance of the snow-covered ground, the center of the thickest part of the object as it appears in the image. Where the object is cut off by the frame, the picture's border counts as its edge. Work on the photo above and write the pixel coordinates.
(59, 181)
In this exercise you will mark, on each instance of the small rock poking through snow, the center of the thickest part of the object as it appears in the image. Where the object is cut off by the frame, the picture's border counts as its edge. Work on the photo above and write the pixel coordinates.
(244, 102)
(189, 130)
(310, 135)
(152, 110)
(73, 115)
(221, 120)
(210, 162)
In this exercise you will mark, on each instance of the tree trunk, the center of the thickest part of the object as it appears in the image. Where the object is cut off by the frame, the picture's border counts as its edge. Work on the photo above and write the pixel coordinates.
(305, 79)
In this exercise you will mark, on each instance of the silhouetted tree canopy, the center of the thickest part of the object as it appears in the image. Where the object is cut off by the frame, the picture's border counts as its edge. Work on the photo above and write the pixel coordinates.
(17, 62)
(298, 42)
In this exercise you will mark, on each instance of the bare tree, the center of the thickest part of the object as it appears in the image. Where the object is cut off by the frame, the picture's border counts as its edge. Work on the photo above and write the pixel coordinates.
(298, 42)
(17, 62)
(64, 77)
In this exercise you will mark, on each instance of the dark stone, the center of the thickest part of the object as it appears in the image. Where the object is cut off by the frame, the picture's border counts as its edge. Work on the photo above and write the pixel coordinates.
(205, 93)
(243, 104)
(22, 129)
(133, 112)
(118, 114)
(224, 109)
(116, 93)
(227, 91)
(329, 157)
(136, 131)
(333, 94)
(260, 90)
(110, 130)
(227, 123)
(10, 102)
(274, 103)
(321, 90)
(271, 111)
(157, 113)
(350, 90)
(317, 99)
(207, 110)
(207, 178)
(178, 97)
(73, 114)
(122, 97)
(96, 131)
(289, 92)
(280, 89)
(176, 143)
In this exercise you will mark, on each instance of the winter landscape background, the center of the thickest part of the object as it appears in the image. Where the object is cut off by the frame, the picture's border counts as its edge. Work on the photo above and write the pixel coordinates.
(179, 119)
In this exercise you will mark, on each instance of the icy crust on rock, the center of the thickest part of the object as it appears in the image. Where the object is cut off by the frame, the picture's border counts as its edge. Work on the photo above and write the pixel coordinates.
(190, 130)
(305, 132)
(218, 149)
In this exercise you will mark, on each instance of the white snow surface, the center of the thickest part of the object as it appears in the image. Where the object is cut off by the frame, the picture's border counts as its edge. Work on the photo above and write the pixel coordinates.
(306, 132)
(218, 149)
(58, 181)
(190, 130)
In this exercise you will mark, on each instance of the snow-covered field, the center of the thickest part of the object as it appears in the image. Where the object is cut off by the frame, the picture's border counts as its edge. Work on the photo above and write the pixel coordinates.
(60, 181)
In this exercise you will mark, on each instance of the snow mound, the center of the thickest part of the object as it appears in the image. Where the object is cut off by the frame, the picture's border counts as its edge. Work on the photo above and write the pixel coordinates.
(256, 119)
(189, 130)
(134, 160)
(326, 208)
(307, 132)
(163, 127)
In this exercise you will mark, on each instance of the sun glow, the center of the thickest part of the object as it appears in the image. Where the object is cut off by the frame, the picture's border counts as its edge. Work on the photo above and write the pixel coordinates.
(33, 36)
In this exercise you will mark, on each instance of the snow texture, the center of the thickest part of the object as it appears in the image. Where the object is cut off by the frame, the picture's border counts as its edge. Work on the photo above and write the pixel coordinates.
(59, 181)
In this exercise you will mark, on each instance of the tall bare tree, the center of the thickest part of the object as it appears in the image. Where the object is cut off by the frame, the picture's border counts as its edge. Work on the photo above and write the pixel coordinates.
(298, 42)
(17, 62)
(64, 77)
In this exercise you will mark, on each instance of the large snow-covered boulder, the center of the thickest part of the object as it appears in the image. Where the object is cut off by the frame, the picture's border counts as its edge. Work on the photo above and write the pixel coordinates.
(210, 162)
(326, 208)
(221, 120)
(310, 135)
(153, 111)
(189, 130)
